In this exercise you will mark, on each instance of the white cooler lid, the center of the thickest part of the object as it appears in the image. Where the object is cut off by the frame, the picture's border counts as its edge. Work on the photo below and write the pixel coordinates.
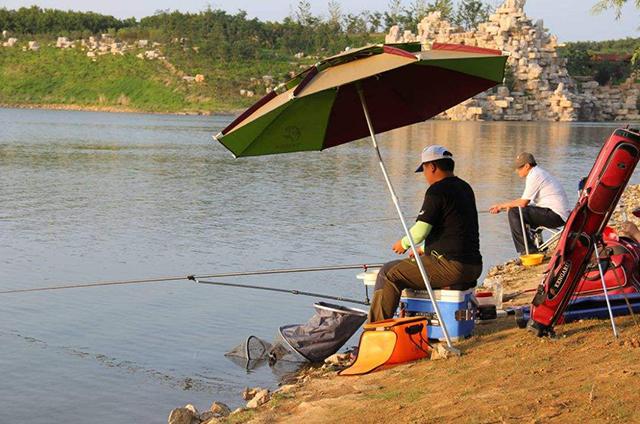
(453, 296)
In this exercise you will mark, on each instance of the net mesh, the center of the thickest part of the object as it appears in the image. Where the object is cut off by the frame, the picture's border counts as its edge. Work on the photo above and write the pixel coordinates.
(323, 335)
(252, 349)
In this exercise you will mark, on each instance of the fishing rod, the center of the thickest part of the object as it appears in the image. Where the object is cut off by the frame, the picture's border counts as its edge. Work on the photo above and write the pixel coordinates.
(364, 267)
(296, 292)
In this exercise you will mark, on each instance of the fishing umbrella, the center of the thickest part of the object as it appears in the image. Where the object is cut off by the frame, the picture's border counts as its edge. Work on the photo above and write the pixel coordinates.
(361, 93)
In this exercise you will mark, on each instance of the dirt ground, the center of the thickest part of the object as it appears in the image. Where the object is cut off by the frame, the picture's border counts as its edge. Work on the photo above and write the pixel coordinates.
(505, 375)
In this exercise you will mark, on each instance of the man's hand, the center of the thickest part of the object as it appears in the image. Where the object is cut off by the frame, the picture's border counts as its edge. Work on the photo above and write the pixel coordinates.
(496, 209)
(420, 252)
(397, 247)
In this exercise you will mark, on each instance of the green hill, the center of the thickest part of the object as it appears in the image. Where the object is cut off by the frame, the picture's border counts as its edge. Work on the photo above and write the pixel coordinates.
(231, 53)
(54, 76)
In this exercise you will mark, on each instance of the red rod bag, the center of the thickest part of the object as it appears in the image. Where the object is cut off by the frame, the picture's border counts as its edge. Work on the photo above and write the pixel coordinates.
(604, 186)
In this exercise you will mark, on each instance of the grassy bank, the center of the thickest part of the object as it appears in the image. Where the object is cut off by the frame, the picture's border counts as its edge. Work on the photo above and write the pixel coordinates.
(68, 78)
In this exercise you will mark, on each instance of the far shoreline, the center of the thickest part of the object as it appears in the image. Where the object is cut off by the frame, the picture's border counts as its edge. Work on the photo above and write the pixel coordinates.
(114, 109)
(235, 112)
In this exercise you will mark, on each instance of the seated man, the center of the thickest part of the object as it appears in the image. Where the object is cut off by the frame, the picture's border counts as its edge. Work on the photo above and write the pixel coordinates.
(448, 224)
(543, 203)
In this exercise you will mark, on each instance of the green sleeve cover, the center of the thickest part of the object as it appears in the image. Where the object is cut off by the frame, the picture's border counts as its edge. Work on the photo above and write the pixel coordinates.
(419, 232)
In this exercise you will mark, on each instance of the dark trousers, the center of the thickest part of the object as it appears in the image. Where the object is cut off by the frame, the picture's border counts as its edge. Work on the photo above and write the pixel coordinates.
(533, 217)
(396, 276)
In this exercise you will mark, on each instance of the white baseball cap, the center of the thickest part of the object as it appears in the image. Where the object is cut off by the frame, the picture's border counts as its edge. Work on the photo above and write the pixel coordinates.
(434, 152)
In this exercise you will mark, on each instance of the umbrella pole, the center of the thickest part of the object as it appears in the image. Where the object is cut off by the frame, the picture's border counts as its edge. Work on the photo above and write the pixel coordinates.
(423, 272)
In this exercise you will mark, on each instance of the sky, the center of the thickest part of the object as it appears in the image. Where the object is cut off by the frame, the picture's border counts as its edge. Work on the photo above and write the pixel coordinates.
(570, 20)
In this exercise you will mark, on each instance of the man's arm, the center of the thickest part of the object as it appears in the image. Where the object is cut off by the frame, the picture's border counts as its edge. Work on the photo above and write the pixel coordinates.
(515, 203)
(419, 233)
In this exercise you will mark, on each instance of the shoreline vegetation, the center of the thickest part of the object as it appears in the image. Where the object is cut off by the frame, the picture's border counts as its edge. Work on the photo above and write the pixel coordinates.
(113, 109)
(215, 62)
(505, 374)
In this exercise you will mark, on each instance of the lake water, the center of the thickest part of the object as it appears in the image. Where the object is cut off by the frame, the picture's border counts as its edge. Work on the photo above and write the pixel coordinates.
(94, 196)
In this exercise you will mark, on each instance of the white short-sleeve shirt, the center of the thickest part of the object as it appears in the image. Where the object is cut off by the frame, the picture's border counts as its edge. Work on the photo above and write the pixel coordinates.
(544, 191)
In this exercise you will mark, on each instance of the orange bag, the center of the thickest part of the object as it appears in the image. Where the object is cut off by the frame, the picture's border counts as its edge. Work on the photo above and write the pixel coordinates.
(388, 342)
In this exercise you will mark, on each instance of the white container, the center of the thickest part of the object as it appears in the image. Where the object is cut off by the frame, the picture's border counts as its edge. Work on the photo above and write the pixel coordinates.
(497, 294)
(494, 284)
(369, 277)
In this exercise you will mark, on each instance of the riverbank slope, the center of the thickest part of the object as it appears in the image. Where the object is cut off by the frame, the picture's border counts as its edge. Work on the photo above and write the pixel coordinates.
(505, 375)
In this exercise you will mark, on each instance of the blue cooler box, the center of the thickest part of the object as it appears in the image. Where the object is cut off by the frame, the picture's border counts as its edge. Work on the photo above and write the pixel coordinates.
(457, 308)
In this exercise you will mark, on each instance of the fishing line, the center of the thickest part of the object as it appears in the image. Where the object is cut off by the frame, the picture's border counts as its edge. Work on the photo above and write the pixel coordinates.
(364, 267)
(366, 221)
(94, 284)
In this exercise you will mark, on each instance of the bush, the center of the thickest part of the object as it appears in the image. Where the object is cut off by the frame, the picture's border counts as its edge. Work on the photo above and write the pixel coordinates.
(582, 59)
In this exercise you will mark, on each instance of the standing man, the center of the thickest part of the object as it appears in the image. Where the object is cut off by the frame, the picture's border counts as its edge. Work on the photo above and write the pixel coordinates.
(543, 203)
(448, 224)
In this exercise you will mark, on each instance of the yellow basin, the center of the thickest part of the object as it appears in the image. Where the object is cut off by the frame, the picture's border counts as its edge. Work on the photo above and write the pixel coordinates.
(532, 259)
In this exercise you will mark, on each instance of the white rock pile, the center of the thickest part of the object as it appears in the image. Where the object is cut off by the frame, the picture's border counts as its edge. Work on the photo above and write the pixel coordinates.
(539, 86)
(11, 41)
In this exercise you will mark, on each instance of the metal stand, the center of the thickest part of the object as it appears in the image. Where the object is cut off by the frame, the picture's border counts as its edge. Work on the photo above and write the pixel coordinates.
(394, 198)
(604, 288)
(630, 309)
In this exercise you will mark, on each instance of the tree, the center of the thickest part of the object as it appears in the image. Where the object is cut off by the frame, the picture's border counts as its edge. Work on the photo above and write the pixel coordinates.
(375, 20)
(335, 12)
(394, 15)
(445, 7)
(471, 13)
(617, 5)
(303, 13)
(355, 24)
(418, 10)
(34, 20)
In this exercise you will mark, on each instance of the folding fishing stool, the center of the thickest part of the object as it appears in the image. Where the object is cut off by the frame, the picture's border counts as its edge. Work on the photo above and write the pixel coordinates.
(538, 238)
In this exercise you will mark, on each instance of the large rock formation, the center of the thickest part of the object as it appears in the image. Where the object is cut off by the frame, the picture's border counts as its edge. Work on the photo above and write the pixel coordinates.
(537, 84)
